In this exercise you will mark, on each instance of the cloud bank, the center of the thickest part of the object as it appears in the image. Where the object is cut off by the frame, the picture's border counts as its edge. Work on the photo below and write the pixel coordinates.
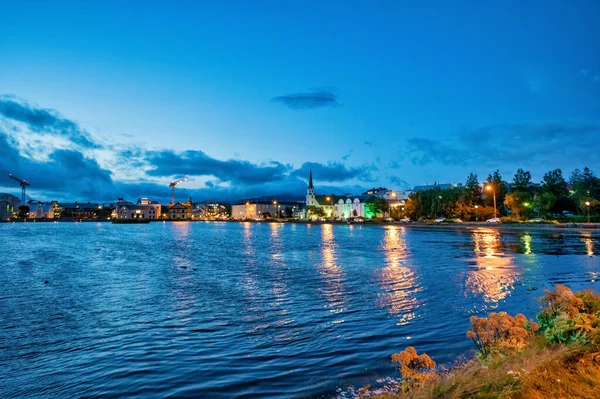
(76, 173)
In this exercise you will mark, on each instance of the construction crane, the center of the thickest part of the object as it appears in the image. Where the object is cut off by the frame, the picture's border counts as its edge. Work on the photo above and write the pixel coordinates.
(172, 185)
(23, 184)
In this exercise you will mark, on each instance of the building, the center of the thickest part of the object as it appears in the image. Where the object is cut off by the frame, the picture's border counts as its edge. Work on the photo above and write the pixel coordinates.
(336, 206)
(9, 204)
(434, 186)
(254, 210)
(43, 210)
(210, 211)
(78, 210)
(143, 209)
(389, 195)
(181, 211)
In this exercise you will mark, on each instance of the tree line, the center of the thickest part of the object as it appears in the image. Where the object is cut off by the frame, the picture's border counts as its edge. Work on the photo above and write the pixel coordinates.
(554, 197)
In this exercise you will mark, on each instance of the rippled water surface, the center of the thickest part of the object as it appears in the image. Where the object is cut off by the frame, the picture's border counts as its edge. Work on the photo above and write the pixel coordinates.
(226, 310)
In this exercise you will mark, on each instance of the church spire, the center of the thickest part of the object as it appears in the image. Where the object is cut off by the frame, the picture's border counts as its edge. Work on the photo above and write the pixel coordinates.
(310, 184)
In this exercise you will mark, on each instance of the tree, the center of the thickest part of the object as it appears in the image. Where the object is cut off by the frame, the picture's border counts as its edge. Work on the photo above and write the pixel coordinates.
(473, 190)
(288, 212)
(313, 210)
(377, 206)
(544, 203)
(495, 180)
(554, 183)
(522, 181)
(518, 202)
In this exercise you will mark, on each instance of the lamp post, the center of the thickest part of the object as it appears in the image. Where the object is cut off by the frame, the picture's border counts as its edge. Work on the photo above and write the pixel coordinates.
(489, 187)
(331, 204)
(275, 203)
(477, 213)
(587, 203)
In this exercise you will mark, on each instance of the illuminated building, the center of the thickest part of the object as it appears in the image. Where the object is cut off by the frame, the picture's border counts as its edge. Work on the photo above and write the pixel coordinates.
(181, 210)
(256, 210)
(9, 204)
(144, 209)
(349, 205)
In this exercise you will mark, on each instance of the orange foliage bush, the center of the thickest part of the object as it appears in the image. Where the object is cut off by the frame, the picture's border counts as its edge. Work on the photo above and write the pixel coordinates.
(415, 369)
(501, 332)
(570, 316)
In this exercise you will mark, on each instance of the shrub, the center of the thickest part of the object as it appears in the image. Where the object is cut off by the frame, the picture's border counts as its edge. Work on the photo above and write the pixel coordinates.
(569, 317)
(415, 369)
(501, 333)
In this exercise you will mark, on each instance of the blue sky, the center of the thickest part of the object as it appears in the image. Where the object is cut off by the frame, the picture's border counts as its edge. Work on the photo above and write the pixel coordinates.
(394, 93)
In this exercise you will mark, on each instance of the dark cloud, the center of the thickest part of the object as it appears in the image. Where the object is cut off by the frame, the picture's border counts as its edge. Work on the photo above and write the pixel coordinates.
(398, 181)
(44, 121)
(65, 171)
(345, 157)
(317, 99)
(197, 163)
(334, 172)
(523, 144)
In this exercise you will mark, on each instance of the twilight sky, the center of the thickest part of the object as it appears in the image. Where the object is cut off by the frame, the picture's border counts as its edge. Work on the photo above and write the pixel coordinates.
(100, 99)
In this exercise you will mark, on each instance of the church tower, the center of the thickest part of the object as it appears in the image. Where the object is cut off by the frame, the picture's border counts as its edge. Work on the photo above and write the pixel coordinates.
(310, 193)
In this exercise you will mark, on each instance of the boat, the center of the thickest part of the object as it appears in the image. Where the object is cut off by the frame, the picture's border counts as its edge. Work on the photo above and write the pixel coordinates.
(131, 221)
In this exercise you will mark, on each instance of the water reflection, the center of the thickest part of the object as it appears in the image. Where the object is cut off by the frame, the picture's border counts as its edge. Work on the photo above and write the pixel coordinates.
(588, 239)
(332, 274)
(398, 282)
(495, 274)
(526, 240)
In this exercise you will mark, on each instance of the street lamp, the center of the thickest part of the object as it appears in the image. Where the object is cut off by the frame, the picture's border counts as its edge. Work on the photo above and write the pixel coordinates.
(588, 207)
(330, 203)
(489, 187)
(476, 213)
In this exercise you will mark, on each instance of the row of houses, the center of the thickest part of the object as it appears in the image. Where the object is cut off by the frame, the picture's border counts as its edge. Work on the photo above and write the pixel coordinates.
(331, 206)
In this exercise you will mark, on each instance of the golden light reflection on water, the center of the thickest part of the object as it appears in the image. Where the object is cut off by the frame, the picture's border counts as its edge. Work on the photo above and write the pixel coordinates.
(495, 274)
(398, 282)
(588, 239)
(332, 274)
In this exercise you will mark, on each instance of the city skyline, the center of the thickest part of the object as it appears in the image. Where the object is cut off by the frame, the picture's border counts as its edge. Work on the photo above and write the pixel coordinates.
(246, 101)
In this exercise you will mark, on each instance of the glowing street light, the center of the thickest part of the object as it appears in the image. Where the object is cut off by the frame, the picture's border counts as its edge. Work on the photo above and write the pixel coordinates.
(476, 213)
(587, 203)
(489, 187)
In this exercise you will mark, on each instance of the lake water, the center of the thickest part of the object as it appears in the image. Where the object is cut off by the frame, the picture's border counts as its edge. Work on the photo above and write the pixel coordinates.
(226, 310)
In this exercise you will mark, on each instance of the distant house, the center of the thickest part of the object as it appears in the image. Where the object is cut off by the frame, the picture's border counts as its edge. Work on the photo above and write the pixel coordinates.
(43, 210)
(256, 210)
(181, 211)
(78, 210)
(9, 204)
(143, 209)
(434, 186)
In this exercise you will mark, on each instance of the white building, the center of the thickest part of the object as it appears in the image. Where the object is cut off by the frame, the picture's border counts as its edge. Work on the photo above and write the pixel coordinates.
(261, 210)
(144, 209)
(335, 205)
(42, 210)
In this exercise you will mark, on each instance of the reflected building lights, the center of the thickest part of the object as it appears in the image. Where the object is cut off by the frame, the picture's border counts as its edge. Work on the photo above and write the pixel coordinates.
(398, 282)
(588, 239)
(495, 276)
(333, 274)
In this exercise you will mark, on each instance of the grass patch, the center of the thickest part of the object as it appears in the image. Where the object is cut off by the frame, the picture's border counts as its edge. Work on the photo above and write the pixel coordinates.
(517, 358)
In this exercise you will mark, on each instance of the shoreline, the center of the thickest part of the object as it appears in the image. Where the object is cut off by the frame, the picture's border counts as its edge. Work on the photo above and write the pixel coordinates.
(464, 225)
